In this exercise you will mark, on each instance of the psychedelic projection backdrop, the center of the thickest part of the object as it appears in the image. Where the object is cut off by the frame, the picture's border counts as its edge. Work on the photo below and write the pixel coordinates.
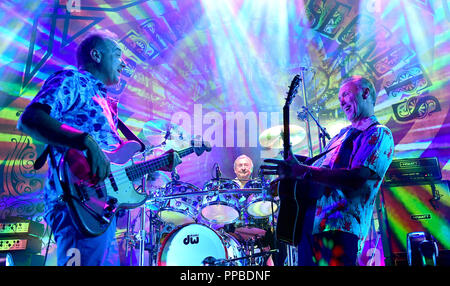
(220, 69)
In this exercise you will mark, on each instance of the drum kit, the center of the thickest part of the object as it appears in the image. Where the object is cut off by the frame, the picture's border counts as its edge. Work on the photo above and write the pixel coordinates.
(218, 224)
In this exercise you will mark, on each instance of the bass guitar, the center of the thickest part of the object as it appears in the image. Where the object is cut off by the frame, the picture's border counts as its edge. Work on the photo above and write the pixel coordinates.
(93, 205)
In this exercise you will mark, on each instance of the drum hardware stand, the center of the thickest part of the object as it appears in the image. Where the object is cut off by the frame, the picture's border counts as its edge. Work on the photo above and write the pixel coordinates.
(154, 236)
(252, 254)
(129, 241)
(211, 261)
(211, 193)
(142, 232)
(291, 258)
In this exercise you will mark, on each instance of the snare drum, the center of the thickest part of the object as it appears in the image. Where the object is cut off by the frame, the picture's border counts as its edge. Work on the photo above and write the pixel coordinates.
(190, 245)
(222, 208)
(259, 205)
(181, 210)
(248, 227)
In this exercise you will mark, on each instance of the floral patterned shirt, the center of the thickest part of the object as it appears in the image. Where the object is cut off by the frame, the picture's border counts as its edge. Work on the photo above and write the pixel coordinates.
(371, 147)
(78, 99)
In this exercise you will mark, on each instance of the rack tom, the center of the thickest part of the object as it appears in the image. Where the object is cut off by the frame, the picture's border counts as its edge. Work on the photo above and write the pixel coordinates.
(182, 209)
(260, 204)
(221, 207)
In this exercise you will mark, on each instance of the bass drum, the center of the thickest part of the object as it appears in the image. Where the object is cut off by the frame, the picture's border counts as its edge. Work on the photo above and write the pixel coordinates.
(190, 245)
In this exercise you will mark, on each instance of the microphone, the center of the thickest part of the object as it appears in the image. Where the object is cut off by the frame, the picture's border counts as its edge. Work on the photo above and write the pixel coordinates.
(218, 173)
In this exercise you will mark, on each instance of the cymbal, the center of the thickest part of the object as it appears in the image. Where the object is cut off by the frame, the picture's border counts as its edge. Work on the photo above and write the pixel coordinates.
(166, 135)
(273, 137)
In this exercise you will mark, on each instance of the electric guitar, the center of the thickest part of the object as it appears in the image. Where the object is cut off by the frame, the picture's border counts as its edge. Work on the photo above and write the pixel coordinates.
(93, 205)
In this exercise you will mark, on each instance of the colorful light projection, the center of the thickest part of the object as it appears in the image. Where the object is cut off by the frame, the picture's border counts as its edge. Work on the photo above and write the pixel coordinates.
(221, 69)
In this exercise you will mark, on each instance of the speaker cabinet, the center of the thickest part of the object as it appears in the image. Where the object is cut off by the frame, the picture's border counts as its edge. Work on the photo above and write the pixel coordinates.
(405, 208)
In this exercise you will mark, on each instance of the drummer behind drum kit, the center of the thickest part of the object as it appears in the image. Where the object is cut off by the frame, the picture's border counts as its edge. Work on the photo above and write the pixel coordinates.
(220, 224)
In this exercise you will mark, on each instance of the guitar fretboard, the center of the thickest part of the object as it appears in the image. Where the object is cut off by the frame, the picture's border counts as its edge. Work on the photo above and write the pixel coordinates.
(137, 171)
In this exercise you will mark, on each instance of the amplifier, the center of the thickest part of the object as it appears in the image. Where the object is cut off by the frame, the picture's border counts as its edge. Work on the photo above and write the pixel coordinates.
(18, 226)
(13, 244)
(413, 170)
(421, 207)
(21, 259)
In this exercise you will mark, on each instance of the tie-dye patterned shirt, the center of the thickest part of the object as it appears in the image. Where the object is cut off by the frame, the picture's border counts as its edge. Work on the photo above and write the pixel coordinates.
(78, 99)
(372, 148)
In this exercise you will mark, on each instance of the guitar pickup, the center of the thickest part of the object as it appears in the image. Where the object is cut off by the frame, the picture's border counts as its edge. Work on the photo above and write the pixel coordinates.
(113, 183)
(109, 210)
(82, 191)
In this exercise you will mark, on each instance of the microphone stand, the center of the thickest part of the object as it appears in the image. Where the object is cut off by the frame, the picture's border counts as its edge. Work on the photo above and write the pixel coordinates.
(323, 134)
(306, 119)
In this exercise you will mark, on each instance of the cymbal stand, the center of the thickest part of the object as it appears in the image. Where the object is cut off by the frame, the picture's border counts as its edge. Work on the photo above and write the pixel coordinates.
(142, 231)
(129, 240)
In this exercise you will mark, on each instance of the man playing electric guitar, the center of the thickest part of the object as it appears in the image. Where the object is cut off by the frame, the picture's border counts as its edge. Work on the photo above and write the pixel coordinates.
(350, 175)
(72, 110)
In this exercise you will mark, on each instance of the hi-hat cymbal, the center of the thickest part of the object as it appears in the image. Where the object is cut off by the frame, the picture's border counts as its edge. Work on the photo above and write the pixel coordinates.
(273, 137)
(164, 134)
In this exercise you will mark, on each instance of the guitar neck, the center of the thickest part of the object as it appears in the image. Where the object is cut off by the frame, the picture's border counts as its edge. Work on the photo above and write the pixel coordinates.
(138, 170)
(286, 132)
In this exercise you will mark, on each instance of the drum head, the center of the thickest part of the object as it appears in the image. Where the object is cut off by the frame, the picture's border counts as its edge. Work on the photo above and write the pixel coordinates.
(262, 208)
(175, 217)
(222, 208)
(181, 210)
(189, 245)
(220, 213)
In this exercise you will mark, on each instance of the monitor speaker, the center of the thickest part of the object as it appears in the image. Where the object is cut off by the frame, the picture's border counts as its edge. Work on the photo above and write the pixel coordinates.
(407, 208)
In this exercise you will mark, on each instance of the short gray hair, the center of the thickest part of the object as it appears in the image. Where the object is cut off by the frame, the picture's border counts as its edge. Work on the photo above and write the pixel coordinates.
(362, 83)
(92, 40)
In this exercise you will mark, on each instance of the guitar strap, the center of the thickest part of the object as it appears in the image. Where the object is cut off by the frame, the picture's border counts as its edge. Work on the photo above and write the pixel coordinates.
(349, 139)
(310, 161)
(129, 134)
(40, 161)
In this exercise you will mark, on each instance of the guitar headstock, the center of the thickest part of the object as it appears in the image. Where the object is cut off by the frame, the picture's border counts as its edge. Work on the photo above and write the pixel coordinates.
(200, 146)
(293, 88)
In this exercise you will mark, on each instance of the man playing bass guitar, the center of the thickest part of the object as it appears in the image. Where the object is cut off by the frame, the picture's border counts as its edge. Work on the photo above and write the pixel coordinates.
(72, 110)
(349, 174)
